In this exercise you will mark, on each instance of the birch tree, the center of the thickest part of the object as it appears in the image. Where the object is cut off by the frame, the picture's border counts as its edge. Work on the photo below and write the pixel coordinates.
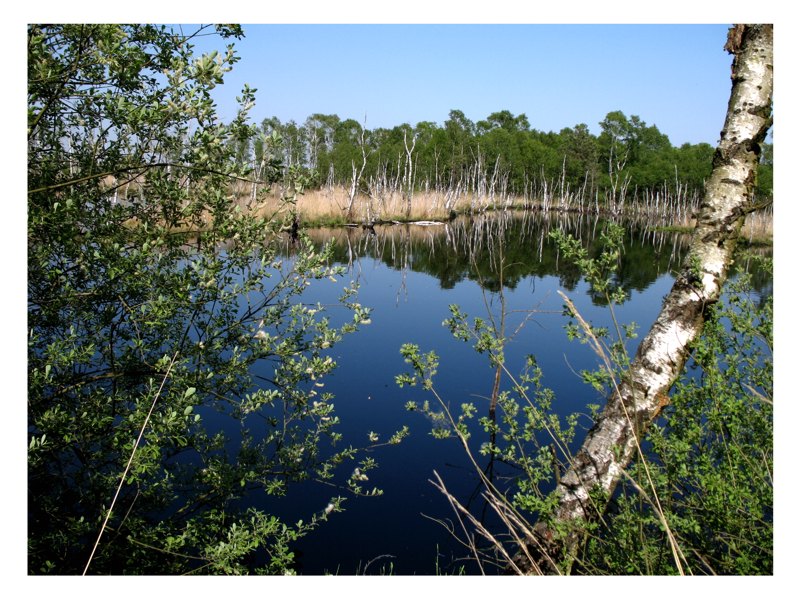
(637, 400)
(358, 172)
(408, 171)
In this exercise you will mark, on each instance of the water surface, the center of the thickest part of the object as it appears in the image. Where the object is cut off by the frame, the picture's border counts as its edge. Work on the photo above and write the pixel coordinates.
(409, 276)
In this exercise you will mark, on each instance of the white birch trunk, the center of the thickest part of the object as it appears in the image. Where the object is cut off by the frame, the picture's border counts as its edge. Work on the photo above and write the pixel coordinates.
(611, 444)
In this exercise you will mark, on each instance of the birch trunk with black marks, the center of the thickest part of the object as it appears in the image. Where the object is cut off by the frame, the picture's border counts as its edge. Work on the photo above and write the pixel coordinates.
(613, 441)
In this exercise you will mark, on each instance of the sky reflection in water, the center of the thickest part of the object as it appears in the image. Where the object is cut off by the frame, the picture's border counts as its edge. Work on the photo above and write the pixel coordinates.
(409, 276)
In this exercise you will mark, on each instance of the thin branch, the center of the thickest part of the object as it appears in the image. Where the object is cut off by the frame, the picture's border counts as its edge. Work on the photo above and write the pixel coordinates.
(143, 168)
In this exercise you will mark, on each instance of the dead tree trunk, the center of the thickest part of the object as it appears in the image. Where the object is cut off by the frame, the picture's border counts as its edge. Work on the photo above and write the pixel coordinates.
(408, 173)
(357, 174)
(614, 440)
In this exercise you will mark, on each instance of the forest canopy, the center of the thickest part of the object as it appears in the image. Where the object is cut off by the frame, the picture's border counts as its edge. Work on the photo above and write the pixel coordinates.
(627, 150)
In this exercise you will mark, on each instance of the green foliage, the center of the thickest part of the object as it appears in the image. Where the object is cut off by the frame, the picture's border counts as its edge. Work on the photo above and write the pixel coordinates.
(503, 148)
(581, 154)
(628, 147)
(764, 174)
(522, 429)
(706, 476)
(602, 274)
(531, 437)
(152, 302)
(710, 458)
(711, 454)
(487, 339)
(601, 270)
(693, 164)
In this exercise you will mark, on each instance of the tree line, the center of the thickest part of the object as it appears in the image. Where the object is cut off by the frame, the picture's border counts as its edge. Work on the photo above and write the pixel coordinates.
(629, 158)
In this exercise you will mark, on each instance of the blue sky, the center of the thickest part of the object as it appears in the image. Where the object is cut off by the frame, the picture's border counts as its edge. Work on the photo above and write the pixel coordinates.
(672, 76)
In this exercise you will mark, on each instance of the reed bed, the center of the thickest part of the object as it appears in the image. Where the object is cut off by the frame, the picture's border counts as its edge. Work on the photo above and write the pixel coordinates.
(668, 208)
(332, 205)
(757, 227)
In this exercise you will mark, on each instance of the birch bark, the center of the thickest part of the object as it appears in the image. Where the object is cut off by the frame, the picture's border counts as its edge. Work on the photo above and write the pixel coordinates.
(613, 441)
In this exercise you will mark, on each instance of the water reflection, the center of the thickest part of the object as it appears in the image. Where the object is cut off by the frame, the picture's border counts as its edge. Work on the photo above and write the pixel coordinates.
(473, 247)
(503, 268)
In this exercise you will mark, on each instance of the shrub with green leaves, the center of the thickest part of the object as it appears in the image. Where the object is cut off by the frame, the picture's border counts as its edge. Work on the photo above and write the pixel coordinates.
(701, 492)
(710, 457)
(152, 300)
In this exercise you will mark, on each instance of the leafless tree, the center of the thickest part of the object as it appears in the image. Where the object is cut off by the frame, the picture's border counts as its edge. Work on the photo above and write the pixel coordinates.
(408, 172)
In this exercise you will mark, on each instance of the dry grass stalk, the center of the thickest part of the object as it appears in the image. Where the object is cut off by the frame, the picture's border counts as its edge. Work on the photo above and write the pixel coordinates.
(130, 461)
(332, 204)
(758, 226)
(602, 352)
(459, 509)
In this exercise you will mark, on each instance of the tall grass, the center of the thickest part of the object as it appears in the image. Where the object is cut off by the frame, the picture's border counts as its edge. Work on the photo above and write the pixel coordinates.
(335, 205)
(331, 205)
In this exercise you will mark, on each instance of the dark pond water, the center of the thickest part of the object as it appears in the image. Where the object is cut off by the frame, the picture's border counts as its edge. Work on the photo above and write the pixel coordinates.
(409, 275)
